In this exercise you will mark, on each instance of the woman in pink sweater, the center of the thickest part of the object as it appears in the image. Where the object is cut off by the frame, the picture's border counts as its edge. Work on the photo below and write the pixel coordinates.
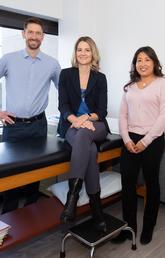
(142, 126)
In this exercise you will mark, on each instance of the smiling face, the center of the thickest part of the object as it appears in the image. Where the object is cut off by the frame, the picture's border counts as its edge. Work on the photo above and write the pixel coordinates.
(33, 35)
(144, 65)
(83, 53)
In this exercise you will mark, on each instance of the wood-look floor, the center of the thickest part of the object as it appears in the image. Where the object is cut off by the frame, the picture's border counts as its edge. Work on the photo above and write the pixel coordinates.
(48, 245)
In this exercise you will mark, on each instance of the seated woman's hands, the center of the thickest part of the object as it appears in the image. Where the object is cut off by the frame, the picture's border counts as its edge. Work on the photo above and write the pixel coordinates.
(82, 122)
(88, 124)
(78, 121)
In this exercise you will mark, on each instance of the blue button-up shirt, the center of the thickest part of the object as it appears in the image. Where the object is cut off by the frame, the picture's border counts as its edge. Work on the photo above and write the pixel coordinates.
(28, 81)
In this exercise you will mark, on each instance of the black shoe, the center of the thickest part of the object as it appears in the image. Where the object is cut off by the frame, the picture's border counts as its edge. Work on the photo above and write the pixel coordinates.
(122, 237)
(146, 235)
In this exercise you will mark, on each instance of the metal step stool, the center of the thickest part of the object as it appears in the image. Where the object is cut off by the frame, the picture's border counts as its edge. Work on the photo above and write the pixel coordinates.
(88, 235)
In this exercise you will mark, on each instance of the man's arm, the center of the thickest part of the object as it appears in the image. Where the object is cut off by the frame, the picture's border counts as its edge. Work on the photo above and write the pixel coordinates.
(3, 67)
(56, 73)
(5, 117)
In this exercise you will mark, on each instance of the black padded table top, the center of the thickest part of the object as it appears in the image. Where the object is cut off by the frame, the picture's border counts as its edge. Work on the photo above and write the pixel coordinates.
(112, 141)
(33, 154)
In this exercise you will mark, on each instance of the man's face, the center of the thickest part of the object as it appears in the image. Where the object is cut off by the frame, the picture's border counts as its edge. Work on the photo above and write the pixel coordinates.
(33, 35)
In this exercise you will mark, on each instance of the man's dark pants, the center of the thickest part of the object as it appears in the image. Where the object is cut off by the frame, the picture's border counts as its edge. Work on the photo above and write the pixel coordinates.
(21, 131)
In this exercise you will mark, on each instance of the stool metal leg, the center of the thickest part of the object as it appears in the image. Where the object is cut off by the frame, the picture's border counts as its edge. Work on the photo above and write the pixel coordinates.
(62, 253)
(133, 237)
(92, 252)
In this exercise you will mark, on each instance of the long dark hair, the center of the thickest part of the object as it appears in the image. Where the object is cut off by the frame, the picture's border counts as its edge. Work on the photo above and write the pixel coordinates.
(134, 75)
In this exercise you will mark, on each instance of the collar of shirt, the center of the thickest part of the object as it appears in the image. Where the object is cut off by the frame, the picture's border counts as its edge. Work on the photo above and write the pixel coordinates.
(25, 54)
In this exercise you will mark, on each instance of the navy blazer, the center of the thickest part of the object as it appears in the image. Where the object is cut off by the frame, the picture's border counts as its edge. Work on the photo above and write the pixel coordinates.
(70, 96)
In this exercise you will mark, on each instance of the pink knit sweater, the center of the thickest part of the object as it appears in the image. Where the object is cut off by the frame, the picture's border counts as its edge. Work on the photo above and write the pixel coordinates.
(142, 111)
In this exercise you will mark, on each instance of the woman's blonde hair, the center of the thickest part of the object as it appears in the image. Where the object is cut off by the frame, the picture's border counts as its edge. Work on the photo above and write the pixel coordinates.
(95, 53)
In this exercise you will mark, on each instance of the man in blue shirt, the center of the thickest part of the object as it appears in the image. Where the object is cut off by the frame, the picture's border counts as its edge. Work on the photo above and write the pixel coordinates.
(28, 75)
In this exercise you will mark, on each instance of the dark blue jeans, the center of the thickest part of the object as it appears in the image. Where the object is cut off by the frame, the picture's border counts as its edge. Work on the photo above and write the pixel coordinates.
(19, 132)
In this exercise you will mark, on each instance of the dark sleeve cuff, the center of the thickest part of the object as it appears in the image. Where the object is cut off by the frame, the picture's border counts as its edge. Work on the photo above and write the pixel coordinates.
(66, 114)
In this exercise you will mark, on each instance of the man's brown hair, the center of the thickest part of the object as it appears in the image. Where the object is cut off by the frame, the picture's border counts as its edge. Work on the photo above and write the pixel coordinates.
(33, 20)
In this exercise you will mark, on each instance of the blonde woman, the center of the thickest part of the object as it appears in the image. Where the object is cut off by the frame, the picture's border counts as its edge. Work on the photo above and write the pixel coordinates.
(83, 107)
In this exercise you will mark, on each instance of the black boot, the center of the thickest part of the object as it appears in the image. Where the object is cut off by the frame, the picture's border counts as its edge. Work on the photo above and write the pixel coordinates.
(97, 214)
(69, 212)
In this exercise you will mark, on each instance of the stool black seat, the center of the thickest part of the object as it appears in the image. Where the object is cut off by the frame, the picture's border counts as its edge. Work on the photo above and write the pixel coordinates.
(85, 233)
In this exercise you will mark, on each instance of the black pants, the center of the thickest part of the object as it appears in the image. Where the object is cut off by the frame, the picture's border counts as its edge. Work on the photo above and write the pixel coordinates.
(149, 162)
(19, 132)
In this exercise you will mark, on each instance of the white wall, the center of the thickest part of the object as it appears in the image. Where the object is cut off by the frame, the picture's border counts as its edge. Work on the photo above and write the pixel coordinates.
(48, 8)
(68, 29)
(76, 21)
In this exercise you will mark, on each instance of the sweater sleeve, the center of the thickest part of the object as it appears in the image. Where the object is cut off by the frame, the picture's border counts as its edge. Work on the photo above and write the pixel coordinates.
(123, 120)
(159, 125)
